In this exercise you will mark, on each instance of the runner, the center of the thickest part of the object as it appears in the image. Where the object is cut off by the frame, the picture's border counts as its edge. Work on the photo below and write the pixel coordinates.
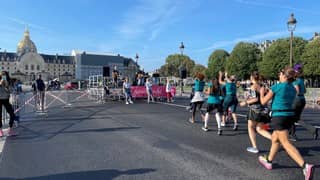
(4, 101)
(283, 115)
(127, 91)
(213, 103)
(149, 90)
(299, 104)
(257, 115)
(231, 99)
(198, 97)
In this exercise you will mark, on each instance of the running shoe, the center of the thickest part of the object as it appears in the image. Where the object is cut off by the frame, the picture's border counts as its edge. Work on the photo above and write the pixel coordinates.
(131, 102)
(127, 102)
(11, 132)
(315, 134)
(293, 137)
(219, 132)
(308, 171)
(223, 124)
(235, 127)
(1, 133)
(190, 120)
(205, 129)
(252, 150)
(263, 160)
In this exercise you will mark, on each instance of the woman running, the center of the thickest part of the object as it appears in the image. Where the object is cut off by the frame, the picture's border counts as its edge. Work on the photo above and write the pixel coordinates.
(255, 120)
(198, 97)
(231, 99)
(283, 95)
(213, 103)
(299, 104)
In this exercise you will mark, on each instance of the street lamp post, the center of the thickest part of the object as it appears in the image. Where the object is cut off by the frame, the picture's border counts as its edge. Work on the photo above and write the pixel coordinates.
(137, 58)
(291, 27)
(181, 69)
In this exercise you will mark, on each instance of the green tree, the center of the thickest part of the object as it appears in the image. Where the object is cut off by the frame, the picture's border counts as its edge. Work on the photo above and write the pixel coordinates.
(198, 68)
(311, 58)
(277, 56)
(216, 63)
(243, 60)
(174, 62)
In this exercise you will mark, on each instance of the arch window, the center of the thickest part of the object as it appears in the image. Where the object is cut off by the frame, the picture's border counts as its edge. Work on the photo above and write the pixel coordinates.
(26, 67)
(38, 67)
(32, 67)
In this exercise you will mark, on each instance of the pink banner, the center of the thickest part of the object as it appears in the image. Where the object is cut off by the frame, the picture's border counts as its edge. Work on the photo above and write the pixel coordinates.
(140, 91)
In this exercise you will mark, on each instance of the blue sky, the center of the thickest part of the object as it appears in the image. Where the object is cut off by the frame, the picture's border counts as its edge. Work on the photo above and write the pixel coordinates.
(152, 28)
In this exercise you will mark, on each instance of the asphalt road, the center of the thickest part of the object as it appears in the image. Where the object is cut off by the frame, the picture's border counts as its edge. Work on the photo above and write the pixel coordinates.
(141, 141)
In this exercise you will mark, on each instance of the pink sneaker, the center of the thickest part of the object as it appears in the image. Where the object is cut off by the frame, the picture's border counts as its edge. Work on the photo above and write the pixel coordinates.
(11, 132)
(1, 133)
(263, 160)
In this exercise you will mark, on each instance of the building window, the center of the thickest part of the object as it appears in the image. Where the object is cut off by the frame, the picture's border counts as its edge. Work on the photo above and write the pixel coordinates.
(26, 67)
(38, 67)
(8, 68)
(32, 67)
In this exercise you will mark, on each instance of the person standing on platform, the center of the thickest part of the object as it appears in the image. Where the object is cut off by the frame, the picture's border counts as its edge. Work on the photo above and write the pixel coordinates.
(127, 91)
(168, 91)
(115, 74)
(40, 87)
(149, 90)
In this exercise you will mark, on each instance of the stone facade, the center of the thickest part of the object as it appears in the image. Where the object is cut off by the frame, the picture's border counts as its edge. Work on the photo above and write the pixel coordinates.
(26, 63)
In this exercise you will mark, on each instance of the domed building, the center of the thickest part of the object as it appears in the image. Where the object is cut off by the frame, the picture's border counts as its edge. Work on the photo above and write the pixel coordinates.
(26, 45)
(26, 63)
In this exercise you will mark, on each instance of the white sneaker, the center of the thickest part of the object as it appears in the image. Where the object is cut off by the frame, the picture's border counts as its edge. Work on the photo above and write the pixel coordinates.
(127, 102)
(205, 129)
(252, 150)
(223, 124)
(131, 102)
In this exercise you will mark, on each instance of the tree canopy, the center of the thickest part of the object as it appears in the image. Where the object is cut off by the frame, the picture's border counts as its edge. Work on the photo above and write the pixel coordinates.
(277, 56)
(216, 63)
(243, 60)
(311, 58)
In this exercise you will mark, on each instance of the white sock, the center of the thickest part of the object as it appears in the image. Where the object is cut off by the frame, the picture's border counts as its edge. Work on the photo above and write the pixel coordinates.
(218, 119)
(206, 119)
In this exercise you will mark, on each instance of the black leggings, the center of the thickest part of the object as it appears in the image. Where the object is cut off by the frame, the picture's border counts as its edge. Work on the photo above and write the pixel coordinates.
(9, 109)
(194, 107)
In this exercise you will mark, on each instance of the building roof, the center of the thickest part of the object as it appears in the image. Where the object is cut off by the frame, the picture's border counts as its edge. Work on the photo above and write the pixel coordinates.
(5, 55)
(58, 59)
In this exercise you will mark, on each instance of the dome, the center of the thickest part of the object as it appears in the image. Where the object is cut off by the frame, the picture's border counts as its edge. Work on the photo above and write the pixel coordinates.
(26, 45)
(31, 62)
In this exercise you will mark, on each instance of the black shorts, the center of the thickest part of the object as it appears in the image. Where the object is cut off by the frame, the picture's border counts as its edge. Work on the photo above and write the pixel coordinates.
(212, 107)
(282, 122)
(258, 116)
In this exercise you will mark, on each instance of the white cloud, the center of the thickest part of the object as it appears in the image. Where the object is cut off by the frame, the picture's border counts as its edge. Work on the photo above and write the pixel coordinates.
(275, 5)
(25, 23)
(147, 17)
(259, 37)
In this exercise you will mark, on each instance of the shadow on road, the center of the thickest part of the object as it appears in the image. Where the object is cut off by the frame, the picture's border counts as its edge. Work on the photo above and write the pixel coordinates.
(96, 175)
